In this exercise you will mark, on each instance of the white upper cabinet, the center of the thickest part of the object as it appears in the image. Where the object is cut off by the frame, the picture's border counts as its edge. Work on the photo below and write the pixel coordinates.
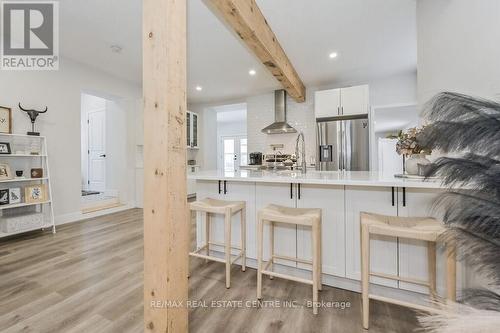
(354, 100)
(327, 103)
(343, 101)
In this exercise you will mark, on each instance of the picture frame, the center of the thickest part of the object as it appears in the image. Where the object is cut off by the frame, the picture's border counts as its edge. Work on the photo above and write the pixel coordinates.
(35, 193)
(5, 148)
(5, 173)
(14, 195)
(4, 197)
(37, 173)
(5, 120)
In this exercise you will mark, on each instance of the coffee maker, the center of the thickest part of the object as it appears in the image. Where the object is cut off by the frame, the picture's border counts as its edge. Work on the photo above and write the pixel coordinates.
(255, 159)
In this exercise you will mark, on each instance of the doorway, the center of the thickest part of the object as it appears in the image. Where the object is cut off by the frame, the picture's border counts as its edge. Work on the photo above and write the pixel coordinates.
(100, 123)
(234, 152)
(231, 144)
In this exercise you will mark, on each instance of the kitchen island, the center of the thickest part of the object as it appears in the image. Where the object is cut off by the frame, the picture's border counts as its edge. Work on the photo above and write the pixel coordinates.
(341, 196)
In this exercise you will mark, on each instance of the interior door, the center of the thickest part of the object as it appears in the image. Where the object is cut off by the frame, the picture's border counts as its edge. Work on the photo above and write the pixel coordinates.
(97, 150)
(234, 153)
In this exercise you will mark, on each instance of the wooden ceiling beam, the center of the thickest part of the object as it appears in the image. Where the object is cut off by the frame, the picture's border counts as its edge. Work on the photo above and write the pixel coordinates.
(247, 21)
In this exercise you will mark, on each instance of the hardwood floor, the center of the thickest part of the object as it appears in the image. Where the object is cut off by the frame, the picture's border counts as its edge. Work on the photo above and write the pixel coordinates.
(88, 278)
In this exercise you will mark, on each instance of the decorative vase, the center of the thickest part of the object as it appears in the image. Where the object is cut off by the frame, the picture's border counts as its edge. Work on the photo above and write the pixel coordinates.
(413, 161)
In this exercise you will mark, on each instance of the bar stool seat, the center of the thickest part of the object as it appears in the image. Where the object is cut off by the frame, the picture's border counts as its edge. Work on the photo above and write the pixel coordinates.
(227, 208)
(417, 228)
(296, 216)
(217, 206)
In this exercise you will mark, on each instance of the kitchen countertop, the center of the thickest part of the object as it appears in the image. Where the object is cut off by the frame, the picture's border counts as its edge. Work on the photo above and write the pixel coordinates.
(354, 178)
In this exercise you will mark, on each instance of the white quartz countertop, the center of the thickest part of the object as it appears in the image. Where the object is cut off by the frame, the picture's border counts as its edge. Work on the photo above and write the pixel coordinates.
(354, 178)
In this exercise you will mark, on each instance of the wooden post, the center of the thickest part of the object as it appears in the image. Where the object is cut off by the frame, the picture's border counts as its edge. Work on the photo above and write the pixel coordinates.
(165, 194)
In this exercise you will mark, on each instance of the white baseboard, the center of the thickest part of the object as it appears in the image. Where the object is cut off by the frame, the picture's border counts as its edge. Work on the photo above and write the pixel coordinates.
(78, 216)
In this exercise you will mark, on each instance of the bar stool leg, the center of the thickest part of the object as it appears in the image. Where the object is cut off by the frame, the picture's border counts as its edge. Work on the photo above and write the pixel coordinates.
(243, 239)
(207, 234)
(227, 243)
(315, 267)
(451, 273)
(365, 274)
(271, 246)
(320, 260)
(431, 262)
(260, 231)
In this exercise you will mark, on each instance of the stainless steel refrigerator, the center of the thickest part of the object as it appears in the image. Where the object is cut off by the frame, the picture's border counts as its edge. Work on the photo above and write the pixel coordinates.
(342, 143)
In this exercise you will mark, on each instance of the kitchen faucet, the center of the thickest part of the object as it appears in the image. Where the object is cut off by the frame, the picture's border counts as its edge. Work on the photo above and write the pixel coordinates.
(303, 164)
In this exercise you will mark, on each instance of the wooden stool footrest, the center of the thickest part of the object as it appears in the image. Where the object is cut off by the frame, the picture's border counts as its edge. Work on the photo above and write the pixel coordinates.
(287, 277)
(400, 278)
(406, 304)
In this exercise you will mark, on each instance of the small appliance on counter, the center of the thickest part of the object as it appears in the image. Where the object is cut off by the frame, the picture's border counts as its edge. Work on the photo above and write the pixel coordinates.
(255, 158)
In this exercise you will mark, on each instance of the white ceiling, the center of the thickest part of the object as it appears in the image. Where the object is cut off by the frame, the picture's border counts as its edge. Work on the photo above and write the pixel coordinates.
(372, 37)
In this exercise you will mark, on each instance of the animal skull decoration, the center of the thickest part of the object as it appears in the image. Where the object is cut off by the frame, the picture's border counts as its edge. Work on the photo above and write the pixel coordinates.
(33, 114)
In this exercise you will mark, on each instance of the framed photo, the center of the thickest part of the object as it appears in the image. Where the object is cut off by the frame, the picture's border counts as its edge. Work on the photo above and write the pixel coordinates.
(14, 195)
(35, 193)
(5, 148)
(36, 173)
(5, 172)
(4, 197)
(5, 120)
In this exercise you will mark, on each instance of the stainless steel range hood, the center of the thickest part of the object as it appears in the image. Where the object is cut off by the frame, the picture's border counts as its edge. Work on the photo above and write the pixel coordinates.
(280, 126)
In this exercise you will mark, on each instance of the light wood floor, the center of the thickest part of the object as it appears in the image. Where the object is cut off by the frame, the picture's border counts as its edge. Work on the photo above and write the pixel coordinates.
(88, 278)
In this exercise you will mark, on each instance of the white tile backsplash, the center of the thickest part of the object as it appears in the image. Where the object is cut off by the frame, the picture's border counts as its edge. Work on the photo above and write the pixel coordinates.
(260, 113)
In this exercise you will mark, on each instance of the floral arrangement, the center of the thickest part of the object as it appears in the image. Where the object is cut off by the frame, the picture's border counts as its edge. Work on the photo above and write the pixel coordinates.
(409, 144)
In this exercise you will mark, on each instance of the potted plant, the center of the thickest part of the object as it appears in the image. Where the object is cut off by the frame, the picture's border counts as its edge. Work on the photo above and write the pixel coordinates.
(412, 150)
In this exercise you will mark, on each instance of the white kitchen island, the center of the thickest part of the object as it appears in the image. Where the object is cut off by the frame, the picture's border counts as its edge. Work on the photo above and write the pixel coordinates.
(341, 196)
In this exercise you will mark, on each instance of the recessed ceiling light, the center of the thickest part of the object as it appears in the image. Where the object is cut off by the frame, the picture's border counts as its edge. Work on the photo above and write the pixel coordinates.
(333, 55)
(252, 72)
(199, 88)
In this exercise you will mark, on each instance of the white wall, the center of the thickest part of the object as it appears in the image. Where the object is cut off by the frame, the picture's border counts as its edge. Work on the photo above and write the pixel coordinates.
(458, 48)
(401, 88)
(61, 92)
(391, 90)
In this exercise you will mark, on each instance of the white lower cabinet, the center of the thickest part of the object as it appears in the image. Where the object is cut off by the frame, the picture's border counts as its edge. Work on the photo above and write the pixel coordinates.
(330, 199)
(341, 207)
(237, 191)
(285, 236)
(413, 260)
(383, 250)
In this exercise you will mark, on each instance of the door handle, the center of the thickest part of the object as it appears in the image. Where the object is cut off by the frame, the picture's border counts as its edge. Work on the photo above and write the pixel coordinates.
(103, 155)
(404, 196)
(225, 187)
(219, 187)
(393, 196)
(291, 191)
(299, 190)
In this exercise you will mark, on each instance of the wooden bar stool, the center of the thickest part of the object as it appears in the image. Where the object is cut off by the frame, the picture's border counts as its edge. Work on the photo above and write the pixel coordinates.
(417, 228)
(298, 216)
(228, 209)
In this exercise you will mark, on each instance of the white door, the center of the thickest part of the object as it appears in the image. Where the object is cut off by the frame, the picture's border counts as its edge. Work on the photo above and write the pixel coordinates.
(327, 103)
(354, 100)
(285, 235)
(331, 199)
(234, 153)
(97, 150)
(412, 253)
(383, 250)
